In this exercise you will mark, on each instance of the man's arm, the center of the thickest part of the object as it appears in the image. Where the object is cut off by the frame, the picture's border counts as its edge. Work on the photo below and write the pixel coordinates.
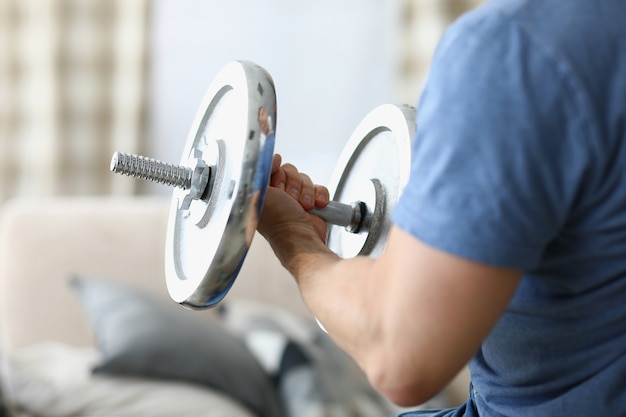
(411, 318)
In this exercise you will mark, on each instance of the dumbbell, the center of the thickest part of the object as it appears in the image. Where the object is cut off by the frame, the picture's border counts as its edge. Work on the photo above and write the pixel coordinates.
(221, 181)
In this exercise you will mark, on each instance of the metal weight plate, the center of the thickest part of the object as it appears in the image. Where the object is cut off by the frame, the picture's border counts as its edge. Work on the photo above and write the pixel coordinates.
(233, 134)
(373, 168)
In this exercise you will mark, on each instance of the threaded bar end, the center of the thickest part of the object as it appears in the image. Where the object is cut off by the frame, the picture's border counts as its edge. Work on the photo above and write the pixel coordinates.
(152, 170)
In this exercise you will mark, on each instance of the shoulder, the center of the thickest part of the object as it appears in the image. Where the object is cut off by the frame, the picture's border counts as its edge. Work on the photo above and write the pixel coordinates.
(503, 140)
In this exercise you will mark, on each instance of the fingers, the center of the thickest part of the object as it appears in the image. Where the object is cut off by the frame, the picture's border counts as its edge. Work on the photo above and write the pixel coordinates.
(278, 178)
(276, 161)
(321, 196)
(298, 185)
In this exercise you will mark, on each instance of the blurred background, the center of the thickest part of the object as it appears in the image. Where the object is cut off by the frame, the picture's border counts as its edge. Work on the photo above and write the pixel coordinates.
(80, 79)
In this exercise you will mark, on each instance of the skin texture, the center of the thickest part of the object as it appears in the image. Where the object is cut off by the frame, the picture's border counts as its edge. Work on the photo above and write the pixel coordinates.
(411, 318)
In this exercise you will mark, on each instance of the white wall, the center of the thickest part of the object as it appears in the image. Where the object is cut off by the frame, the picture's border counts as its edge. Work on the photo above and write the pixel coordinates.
(331, 61)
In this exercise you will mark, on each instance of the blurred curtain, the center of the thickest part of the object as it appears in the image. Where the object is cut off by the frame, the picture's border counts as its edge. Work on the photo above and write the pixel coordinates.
(423, 24)
(72, 90)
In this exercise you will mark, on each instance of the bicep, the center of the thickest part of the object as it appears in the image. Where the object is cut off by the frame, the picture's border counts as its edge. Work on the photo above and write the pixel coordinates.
(438, 308)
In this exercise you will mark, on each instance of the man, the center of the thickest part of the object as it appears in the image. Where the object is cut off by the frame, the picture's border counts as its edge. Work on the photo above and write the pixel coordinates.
(509, 243)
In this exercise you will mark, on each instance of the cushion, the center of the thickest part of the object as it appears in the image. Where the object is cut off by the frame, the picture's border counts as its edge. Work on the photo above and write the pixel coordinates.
(140, 335)
(314, 376)
(54, 379)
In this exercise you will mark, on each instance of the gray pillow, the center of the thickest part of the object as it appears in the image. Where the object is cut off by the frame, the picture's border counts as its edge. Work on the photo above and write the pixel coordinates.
(314, 376)
(140, 335)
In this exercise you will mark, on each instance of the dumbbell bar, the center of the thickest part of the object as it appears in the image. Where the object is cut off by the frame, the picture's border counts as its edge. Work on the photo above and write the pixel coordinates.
(196, 181)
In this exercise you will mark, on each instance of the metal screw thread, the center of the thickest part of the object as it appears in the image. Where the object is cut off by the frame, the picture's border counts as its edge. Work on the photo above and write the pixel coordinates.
(151, 169)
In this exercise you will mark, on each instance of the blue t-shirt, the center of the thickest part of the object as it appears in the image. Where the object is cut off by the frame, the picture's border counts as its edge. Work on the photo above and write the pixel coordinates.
(520, 161)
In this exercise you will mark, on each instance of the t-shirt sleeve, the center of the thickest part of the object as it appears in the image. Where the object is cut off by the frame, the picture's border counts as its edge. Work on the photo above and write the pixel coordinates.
(500, 149)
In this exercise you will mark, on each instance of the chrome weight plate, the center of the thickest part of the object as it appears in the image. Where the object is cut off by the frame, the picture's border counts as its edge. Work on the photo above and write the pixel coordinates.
(231, 144)
(373, 170)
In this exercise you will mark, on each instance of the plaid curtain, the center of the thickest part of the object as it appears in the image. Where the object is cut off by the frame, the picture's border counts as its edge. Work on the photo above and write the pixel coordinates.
(72, 90)
(423, 24)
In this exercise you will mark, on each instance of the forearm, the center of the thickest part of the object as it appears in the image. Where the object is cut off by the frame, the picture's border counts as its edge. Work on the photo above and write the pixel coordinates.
(337, 291)
(351, 301)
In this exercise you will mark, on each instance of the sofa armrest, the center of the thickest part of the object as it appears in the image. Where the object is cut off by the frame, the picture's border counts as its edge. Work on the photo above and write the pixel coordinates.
(45, 242)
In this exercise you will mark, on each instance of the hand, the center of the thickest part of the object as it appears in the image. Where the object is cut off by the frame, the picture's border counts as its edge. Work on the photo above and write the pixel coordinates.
(290, 195)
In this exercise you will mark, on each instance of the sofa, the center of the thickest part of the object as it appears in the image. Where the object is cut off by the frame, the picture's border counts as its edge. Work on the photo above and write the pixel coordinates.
(88, 328)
